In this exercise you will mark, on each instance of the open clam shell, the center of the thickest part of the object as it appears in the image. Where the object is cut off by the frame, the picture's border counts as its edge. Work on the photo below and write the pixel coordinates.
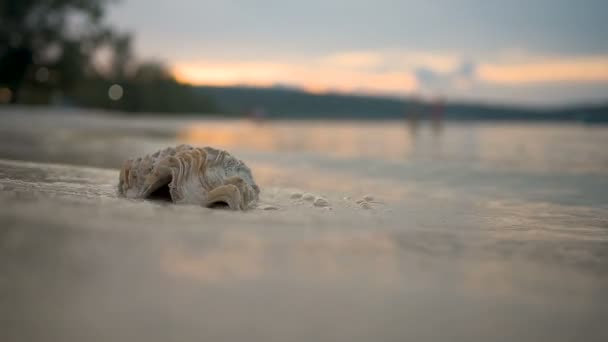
(190, 175)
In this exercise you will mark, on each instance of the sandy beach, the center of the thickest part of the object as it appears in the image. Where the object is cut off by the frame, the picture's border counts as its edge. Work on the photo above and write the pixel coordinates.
(468, 232)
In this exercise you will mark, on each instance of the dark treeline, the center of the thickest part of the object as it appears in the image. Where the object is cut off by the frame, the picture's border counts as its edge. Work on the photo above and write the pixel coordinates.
(286, 103)
(61, 52)
(155, 96)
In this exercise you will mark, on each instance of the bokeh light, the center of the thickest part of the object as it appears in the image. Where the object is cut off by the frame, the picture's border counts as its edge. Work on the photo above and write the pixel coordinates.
(115, 92)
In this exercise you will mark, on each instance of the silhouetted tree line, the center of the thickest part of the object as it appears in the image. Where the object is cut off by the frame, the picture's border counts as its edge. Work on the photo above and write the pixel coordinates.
(286, 103)
(61, 52)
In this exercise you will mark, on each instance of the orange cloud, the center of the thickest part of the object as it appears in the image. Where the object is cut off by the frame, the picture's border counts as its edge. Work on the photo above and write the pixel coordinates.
(314, 76)
(437, 62)
(389, 71)
(395, 59)
(579, 69)
(370, 71)
(229, 73)
(355, 59)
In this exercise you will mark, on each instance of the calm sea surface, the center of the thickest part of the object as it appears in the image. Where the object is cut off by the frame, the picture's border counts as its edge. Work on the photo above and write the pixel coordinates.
(476, 232)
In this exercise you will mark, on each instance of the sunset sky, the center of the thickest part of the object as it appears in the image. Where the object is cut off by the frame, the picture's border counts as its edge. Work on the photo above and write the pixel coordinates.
(536, 52)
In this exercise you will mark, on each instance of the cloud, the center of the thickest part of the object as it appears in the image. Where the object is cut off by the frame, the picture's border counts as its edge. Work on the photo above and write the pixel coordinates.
(466, 69)
(585, 69)
(402, 73)
(314, 76)
(438, 62)
(382, 71)
(438, 82)
(355, 59)
(514, 70)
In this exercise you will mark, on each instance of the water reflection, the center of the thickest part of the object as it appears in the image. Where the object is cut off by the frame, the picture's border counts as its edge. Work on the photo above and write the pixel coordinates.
(544, 147)
(336, 139)
(235, 257)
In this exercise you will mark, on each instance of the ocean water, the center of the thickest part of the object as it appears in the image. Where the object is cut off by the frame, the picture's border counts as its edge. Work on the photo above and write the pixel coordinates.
(475, 232)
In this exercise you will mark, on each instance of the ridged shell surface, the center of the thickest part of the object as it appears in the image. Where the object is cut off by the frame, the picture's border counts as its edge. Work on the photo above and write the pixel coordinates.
(204, 176)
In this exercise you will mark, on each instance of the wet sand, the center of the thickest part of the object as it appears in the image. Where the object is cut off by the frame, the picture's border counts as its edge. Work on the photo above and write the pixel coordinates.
(477, 233)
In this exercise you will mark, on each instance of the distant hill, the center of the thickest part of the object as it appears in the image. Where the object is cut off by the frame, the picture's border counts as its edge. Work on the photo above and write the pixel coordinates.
(286, 103)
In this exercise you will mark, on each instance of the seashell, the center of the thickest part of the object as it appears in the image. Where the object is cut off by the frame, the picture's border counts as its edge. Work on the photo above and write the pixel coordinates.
(189, 175)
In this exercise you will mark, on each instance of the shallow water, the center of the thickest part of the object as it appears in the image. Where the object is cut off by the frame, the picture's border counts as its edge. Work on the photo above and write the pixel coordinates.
(476, 232)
